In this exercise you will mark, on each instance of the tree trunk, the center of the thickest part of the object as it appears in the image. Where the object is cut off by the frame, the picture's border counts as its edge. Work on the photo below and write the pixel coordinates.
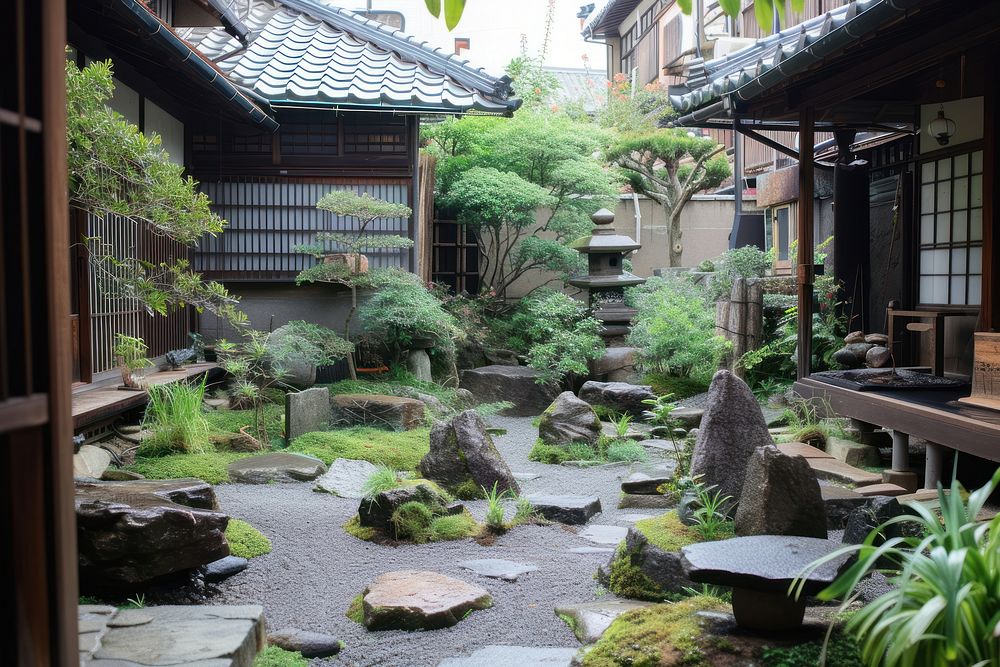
(352, 369)
(674, 237)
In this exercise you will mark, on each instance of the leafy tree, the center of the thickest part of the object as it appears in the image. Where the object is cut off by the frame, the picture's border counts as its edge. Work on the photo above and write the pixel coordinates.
(346, 266)
(116, 170)
(763, 9)
(526, 185)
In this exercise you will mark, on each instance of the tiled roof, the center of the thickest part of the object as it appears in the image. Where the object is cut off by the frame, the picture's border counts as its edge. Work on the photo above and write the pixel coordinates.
(582, 86)
(305, 53)
(605, 21)
(746, 73)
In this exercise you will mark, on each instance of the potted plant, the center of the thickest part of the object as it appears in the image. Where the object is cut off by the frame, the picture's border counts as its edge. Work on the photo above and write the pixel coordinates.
(130, 354)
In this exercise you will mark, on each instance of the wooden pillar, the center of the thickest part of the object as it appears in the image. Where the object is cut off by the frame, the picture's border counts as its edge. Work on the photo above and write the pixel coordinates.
(989, 313)
(805, 271)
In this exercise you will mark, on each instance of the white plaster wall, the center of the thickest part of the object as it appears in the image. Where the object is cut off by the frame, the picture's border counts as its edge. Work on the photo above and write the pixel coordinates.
(170, 129)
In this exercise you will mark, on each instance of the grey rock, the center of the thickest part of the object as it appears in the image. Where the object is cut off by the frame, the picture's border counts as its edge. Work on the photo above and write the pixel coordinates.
(621, 397)
(780, 497)
(309, 644)
(346, 478)
(731, 430)
(662, 567)
(517, 384)
(432, 403)
(877, 339)
(644, 502)
(497, 568)
(299, 372)
(636, 431)
(418, 362)
(569, 420)
(688, 418)
(846, 358)
(377, 512)
(590, 620)
(307, 411)
(599, 534)
(869, 516)
(515, 656)
(574, 510)
(878, 357)
(854, 337)
(687, 504)
(419, 600)
(465, 398)
(91, 462)
(275, 467)
(839, 503)
(395, 412)
(224, 568)
(646, 479)
(120, 475)
(461, 450)
(617, 364)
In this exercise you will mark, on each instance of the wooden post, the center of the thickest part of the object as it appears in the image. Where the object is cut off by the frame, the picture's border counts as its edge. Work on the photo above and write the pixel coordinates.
(804, 275)
(755, 314)
(738, 321)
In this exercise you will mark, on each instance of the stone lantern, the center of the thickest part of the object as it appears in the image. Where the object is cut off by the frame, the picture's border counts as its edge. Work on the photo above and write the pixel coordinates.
(606, 277)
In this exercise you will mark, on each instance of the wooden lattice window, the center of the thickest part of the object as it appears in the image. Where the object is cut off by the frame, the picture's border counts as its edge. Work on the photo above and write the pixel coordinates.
(316, 138)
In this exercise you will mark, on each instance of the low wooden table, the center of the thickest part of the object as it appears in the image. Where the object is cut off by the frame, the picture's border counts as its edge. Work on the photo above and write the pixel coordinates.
(937, 326)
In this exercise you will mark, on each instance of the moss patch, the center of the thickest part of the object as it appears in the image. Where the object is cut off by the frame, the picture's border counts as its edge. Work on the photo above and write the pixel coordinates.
(627, 580)
(467, 490)
(356, 610)
(398, 450)
(354, 528)
(667, 532)
(679, 387)
(245, 540)
(272, 656)
(841, 651)
(412, 521)
(545, 453)
(666, 634)
(230, 421)
(453, 527)
(210, 466)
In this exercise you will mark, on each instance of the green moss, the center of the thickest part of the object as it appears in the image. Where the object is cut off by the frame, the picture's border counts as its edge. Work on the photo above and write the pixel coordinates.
(230, 421)
(399, 450)
(210, 466)
(667, 532)
(245, 540)
(568, 620)
(604, 413)
(272, 656)
(841, 651)
(680, 387)
(356, 610)
(397, 383)
(545, 453)
(412, 521)
(467, 490)
(627, 580)
(626, 450)
(453, 527)
(667, 634)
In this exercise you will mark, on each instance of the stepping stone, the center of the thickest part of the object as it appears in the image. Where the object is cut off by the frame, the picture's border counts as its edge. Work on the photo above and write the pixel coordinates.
(276, 467)
(591, 550)
(574, 510)
(497, 568)
(920, 496)
(603, 534)
(643, 502)
(839, 503)
(514, 656)
(760, 583)
(91, 462)
(658, 444)
(309, 644)
(224, 568)
(803, 450)
(881, 490)
(590, 620)
(419, 600)
(837, 471)
(526, 476)
(852, 453)
(646, 480)
(689, 418)
(632, 518)
(346, 478)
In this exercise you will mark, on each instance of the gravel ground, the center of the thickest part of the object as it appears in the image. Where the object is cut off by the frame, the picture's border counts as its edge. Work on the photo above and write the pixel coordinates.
(316, 569)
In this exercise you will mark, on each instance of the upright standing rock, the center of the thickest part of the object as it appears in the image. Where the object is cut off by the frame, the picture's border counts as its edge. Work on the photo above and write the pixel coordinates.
(731, 429)
(569, 420)
(462, 450)
(780, 497)
(307, 411)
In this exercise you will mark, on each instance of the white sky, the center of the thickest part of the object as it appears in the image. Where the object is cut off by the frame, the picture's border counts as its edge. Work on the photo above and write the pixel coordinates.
(495, 30)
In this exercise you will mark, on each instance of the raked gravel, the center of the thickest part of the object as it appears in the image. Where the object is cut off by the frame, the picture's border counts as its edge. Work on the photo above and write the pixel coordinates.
(316, 569)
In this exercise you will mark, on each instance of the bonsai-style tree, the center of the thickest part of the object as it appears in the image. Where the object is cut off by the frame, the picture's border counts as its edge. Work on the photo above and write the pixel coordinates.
(116, 170)
(346, 265)
(130, 354)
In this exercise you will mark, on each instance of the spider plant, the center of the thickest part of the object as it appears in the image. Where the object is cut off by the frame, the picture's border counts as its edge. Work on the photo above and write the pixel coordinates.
(711, 519)
(622, 424)
(383, 479)
(175, 419)
(494, 508)
(944, 608)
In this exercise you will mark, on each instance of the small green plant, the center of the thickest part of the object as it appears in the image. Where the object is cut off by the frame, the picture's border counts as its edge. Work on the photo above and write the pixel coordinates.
(524, 511)
(137, 602)
(452, 527)
(246, 541)
(711, 519)
(625, 450)
(622, 424)
(273, 656)
(383, 479)
(412, 521)
(495, 512)
(130, 355)
(175, 420)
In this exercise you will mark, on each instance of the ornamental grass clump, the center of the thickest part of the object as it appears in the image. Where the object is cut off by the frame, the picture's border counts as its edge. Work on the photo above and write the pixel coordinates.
(944, 607)
(175, 420)
(495, 513)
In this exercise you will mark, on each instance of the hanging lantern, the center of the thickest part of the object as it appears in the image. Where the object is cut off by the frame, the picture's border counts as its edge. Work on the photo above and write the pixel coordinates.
(941, 128)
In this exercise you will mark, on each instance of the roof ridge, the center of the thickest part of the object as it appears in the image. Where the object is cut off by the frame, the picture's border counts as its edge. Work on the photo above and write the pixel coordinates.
(392, 39)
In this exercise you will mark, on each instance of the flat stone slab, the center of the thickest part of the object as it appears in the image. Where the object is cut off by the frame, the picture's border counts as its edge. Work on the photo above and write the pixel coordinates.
(603, 534)
(346, 478)
(526, 476)
(762, 562)
(852, 453)
(574, 510)
(803, 450)
(395, 412)
(591, 550)
(881, 490)
(210, 635)
(309, 644)
(276, 467)
(689, 418)
(419, 600)
(646, 480)
(491, 384)
(837, 471)
(591, 619)
(644, 502)
(497, 568)
(658, 444)
(515, 656)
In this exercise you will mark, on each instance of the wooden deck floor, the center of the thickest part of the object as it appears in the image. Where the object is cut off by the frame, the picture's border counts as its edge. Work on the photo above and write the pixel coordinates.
(92, 403)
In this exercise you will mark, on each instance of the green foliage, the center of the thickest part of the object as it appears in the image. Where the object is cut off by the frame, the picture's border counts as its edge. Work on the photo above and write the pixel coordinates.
(667, 532)
(399, 382)
(674, 329)
(944, 607)
(453, 10)
(130, 354)
(558, 334)
(625, 450)
(525, 512)
(495, 513)
(175, 420)
(405, 311)
(627, 580)
(412, 521)
(210, 466)
(114, 169)
(246, 541)
(230, 421)
(840, 651)
(711, 518)
(746, 262)
(453, 527)
(679, 387)
(383, 479)
(273, 656)
(642, 110)
(399, 450)
(545, 453)
(622, 424)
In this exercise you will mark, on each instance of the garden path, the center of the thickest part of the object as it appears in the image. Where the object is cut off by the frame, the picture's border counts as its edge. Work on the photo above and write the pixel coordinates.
(316, 569)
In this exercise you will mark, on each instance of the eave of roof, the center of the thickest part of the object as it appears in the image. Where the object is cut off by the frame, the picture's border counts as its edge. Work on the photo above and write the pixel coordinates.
(605, 21)
(715, 87)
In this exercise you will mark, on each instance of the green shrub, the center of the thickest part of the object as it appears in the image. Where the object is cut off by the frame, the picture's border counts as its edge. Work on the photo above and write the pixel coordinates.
(412, 521)
(545, 453)
(626, 450)
(383, 479)
(210, 467)
(246, 541)
(745, 262)
(399, 450)
(403, 311)
(175, 420)
(272, 656)
(841, 651)
(674, 329)
(453, 527)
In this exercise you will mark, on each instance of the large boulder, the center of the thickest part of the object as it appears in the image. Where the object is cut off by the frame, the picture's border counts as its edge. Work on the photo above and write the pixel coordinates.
(640, 569)
(866, 518)
(395, 412)
(621, 397)
(617, 364)
(131, 534)
(299, 371)
(781, 496)
(732, 428)
(377, 512)
(517, 384)
(462, 451)
(419, 600)
(569, 420)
